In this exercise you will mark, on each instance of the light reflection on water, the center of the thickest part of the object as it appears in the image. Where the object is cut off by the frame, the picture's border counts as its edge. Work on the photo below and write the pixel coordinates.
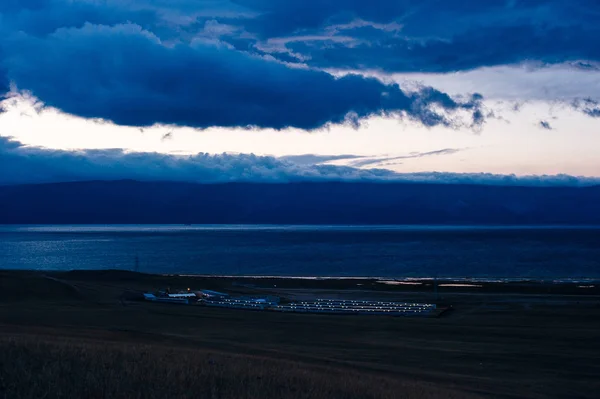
(270, 227)
(387, 251)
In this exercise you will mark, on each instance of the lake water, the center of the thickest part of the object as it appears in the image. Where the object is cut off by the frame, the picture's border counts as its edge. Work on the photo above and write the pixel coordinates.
(386, 251)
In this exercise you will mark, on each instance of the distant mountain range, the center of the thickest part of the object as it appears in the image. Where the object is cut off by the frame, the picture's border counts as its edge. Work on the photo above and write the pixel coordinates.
(128, 201)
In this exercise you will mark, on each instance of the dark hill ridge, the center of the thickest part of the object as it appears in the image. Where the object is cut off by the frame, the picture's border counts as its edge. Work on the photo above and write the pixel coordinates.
(297, 203)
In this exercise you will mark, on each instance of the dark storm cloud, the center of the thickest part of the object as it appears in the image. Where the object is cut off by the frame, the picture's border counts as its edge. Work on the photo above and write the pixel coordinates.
(23, 164)
(435, 36)
(484, 46)
(127, 75)
(210, 62)
(283, 18)
(545, 125)
(395, 35)
(42, 17)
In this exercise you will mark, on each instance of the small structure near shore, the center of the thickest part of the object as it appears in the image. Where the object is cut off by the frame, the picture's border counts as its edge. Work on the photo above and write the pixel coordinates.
(165, 299)
(208, 294)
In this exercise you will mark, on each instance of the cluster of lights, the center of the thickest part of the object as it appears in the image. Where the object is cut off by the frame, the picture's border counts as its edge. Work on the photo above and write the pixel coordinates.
(372, 303)
(341, 306)
(341, 310)
(235, 300)
(239, 303)
(327, 306)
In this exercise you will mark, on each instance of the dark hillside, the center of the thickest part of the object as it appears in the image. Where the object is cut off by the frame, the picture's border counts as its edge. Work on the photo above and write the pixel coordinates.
(296, 203)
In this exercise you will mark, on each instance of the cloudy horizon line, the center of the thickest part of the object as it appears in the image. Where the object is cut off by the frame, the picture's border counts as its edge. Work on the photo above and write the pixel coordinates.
(33, 165)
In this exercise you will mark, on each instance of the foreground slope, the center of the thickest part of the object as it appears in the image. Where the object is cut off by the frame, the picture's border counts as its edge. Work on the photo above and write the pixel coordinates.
(95, 340)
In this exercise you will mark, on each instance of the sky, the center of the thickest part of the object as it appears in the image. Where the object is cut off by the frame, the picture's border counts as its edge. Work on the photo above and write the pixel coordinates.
(221, 90)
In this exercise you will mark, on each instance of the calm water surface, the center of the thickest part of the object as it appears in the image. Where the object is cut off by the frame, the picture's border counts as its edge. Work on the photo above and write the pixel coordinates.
(388, 251)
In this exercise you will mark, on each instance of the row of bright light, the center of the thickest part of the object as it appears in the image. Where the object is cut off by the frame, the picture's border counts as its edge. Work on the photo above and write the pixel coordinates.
(329, 305)
(368, 305)
(361, 307)
(309, 309)
(243, 302)
(313, 309)
(332, 309)
(344, 301)
(420, 305)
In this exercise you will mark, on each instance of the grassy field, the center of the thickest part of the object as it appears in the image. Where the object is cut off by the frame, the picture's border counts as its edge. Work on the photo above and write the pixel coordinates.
(77, 335)
(36, 367)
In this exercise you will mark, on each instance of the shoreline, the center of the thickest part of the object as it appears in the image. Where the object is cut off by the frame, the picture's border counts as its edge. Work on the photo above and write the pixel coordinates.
(388, 280)
(297, 226)
(357, 286)
(391, 280)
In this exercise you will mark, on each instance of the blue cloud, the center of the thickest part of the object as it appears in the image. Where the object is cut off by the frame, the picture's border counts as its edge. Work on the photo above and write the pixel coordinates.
(362, 160)
(545, 125)
(434, 36)
(588, 106)
(42, 17)
(128, 75)
(24, 164)
(282, 18)
(425, 36)
(208, 62)
(484, 46)
(314, 159)
(384, 161)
